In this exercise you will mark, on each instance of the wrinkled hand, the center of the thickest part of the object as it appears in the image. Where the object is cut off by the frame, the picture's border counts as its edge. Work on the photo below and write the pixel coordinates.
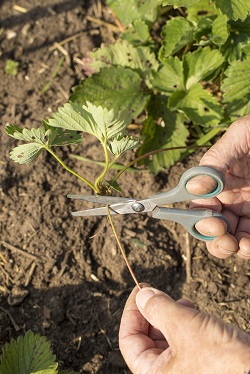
(159, 335)
(231, 156)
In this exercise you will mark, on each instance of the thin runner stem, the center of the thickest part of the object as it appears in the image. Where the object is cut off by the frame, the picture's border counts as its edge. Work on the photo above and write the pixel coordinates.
(121, 248)
(154, 153)
(70, 170)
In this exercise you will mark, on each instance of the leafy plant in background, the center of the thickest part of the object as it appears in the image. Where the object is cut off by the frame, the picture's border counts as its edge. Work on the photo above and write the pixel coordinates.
(29, 354)
(191, 82)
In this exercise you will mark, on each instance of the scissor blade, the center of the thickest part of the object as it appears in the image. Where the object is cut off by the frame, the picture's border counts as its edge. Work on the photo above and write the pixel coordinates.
(92, 212)
(99, 199)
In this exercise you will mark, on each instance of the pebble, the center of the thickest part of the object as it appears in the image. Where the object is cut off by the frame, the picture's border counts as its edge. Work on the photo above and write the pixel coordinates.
(10, 34)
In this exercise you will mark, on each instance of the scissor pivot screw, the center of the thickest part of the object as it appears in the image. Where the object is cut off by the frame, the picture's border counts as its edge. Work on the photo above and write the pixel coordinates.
(138, 207)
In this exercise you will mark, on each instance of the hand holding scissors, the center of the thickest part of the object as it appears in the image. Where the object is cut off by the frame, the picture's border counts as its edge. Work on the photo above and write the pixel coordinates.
(187, 218)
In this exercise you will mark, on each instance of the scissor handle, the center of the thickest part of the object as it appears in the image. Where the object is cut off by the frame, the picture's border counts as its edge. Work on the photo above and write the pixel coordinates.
(189, 218)
(180, 193)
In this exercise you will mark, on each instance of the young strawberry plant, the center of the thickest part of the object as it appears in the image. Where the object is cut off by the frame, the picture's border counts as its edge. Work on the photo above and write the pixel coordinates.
(29, 354)
(66, 127)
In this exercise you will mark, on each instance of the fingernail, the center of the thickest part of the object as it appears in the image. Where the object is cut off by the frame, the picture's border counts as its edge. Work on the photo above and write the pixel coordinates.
(143, 296)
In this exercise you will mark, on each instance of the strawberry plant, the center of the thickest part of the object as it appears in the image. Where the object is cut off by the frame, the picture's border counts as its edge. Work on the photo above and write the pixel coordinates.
(182, 73)
(186, 69)
(29, 354)
(66, 127)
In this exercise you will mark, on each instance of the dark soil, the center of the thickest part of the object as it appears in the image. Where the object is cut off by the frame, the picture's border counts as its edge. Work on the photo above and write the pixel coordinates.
(69, 281)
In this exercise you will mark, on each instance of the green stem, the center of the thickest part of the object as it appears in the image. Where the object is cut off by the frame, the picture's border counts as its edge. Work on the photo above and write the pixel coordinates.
(154, 153)
(113, 162)
(98, 180)
(70, 170)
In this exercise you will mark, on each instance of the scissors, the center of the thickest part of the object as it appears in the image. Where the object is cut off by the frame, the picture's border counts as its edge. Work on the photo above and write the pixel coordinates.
(187, 218)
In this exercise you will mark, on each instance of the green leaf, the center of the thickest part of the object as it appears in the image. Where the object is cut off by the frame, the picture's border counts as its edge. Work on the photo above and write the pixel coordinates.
(201, 9)
(122, 143)
(28, 135)
(170, 132)
(184, 3)
(11, 67)
(235, 9)
(47, 136)
(175, 35)
(241, 26)
(122, 53)
(238, 108)
(200, 64)
(25, 153)
(237, 84)
(115, 88)
(203, 31)
(29, 354)
(130, 10)
(12, 129)
(220, 30)
(59, 137)
(138, 34)
(239, 39)
(198, 105)
(98, 121)
(169, 78)
(114, 185)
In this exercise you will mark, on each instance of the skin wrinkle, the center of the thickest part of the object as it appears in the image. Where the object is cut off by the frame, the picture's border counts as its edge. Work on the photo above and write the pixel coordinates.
(153, 312)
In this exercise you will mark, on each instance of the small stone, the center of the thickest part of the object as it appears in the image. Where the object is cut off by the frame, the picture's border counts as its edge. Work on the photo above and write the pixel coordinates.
(10, 34)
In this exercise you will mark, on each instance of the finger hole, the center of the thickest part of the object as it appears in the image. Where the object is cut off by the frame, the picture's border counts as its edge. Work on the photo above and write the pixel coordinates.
(201, 185)
(223, 246)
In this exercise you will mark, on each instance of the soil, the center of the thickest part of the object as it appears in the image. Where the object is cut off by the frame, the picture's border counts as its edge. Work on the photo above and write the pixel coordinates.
(64, 277)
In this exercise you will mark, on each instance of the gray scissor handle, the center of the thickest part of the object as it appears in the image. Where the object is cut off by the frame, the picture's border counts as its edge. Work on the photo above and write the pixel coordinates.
(180, 193)
(188, 219)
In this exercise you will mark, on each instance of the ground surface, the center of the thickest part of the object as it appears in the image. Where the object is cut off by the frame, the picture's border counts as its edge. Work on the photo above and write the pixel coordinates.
(75, 285)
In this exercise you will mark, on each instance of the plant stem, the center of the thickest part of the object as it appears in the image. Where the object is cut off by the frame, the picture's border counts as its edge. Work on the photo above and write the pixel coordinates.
(121, 248)
(205, 139)
(70, 170)
(112, 165)
(113, 162)
(153, 153)
(98, 180)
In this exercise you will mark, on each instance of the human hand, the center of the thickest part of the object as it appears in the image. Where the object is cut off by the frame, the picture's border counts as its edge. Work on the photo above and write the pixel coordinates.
(231, 156)
(158, 335)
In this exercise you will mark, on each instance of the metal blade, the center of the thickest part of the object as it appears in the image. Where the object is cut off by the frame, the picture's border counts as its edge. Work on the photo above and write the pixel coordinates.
(100, 199)
(92, 212)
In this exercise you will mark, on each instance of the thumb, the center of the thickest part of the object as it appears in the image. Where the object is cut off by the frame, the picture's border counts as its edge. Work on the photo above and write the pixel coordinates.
(163, 313)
